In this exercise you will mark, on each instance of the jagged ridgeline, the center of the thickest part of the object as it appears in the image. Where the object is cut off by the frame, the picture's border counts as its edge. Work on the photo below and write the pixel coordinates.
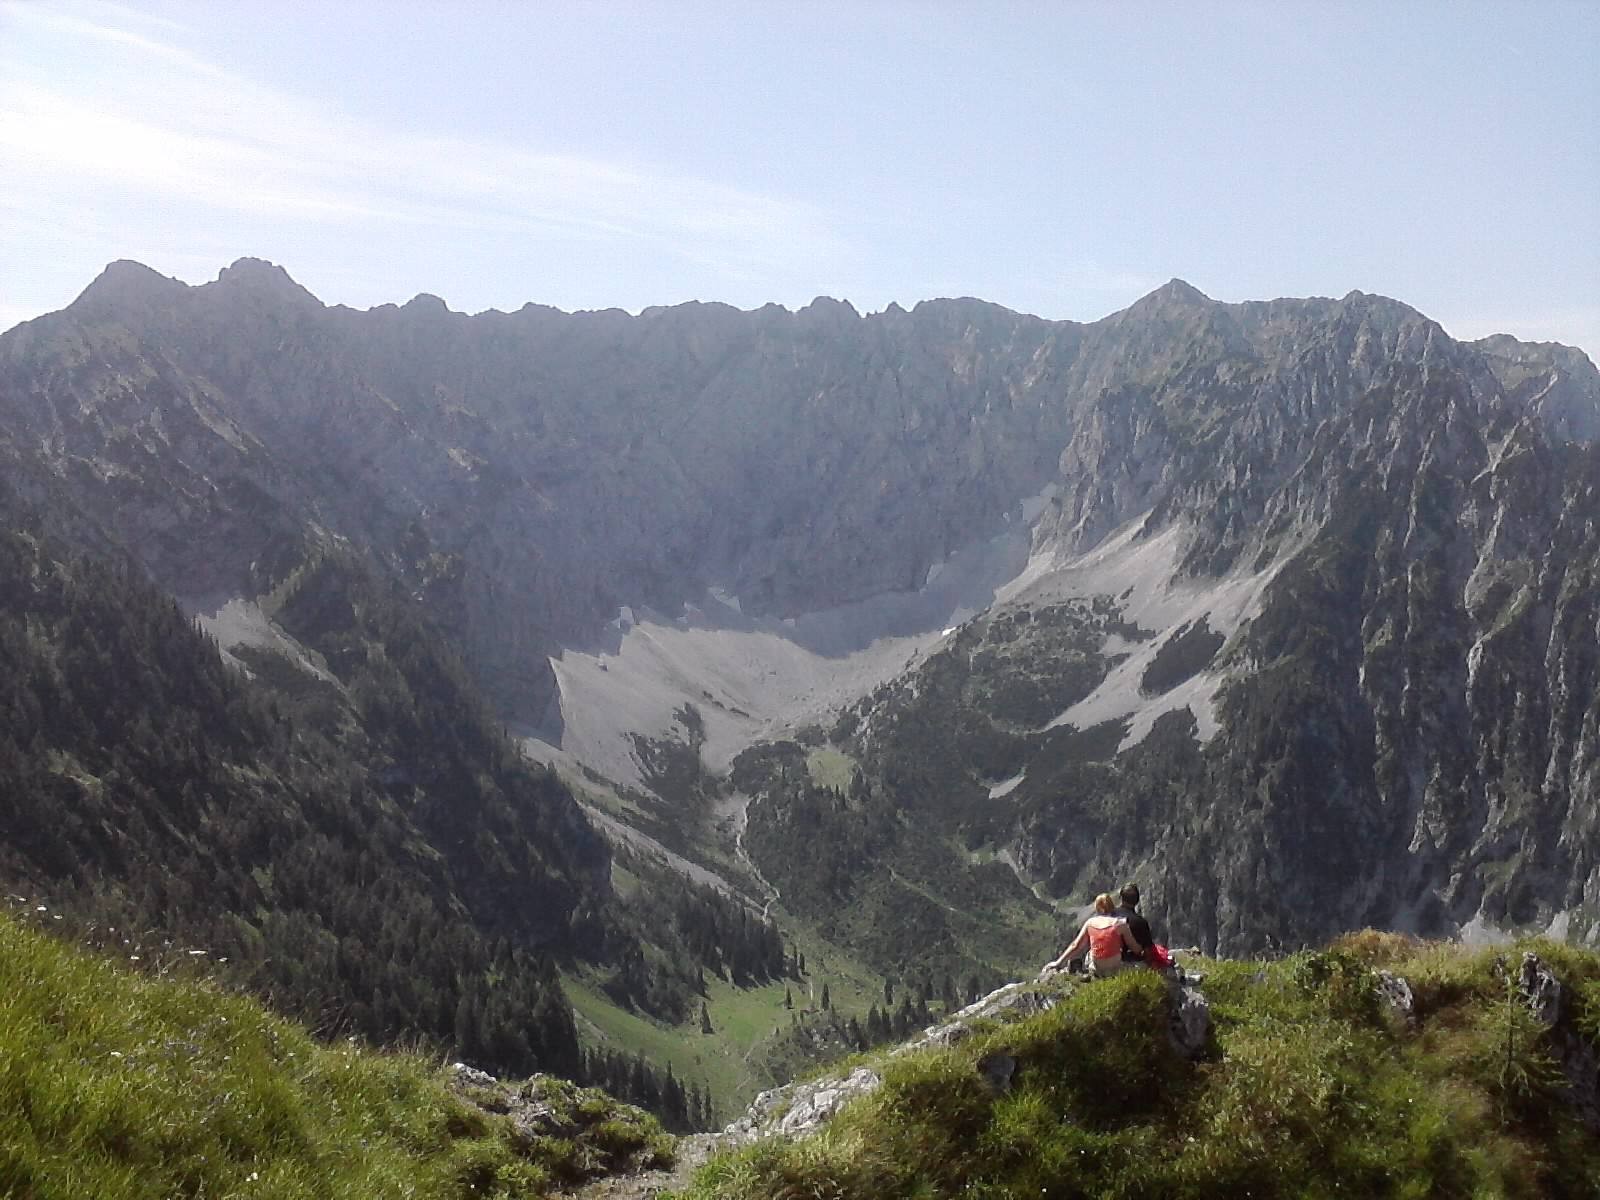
(340, 825)
(909, 630)
(1411, 710)
(1358, 552)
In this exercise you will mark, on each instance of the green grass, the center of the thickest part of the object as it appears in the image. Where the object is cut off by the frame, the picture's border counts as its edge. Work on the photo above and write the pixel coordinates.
(738, 1058)
(831, 768)
(713, 1060)
(116, 1085)
(1313, 1091)
(731, 1060)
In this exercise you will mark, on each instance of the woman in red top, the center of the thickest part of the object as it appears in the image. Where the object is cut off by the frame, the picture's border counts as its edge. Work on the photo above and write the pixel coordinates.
(1104, 935)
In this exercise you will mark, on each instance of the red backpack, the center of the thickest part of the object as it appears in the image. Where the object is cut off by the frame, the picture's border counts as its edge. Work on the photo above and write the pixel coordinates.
(1158, 956)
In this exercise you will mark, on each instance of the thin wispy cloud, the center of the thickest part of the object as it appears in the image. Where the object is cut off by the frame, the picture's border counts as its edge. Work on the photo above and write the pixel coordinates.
(192, 134)
(65, 23)
(646, 154)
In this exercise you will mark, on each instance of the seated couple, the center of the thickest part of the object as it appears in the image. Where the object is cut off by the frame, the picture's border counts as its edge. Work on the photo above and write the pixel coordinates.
(1115, 938)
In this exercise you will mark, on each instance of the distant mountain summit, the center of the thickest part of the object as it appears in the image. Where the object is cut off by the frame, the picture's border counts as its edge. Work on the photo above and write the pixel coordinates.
(1358, 554)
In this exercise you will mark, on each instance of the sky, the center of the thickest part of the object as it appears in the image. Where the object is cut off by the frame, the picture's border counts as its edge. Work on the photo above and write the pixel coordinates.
(1061, 159)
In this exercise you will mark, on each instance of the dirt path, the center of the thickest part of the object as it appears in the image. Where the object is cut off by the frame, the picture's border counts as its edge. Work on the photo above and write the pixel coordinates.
(692, 1151)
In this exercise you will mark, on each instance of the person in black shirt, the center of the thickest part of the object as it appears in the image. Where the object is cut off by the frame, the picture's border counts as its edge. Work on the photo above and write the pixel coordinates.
(1137, 925)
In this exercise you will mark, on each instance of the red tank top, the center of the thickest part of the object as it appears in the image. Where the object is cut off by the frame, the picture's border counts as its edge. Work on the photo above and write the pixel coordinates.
(1105, 941)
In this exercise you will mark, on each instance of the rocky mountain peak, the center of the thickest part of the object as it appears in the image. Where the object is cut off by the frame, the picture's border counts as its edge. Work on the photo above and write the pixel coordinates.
(826, 312)
(1174, 296)
(1379, 309)
(1180, 291)
(528, 477)
(126, 284)
(426, 303)
(258, 277)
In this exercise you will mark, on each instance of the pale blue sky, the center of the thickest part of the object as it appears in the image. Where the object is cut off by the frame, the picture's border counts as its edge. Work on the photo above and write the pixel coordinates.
(1060, 159)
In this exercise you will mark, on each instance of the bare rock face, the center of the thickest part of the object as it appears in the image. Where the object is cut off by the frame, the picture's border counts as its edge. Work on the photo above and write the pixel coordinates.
(1407, 725)
(797, 1109)
(1577, 1055)
(529, 473)
(1013, 1001)
(1542, 990)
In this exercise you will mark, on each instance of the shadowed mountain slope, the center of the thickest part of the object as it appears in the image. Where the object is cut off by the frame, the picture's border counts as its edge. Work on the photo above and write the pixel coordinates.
(1389, 531)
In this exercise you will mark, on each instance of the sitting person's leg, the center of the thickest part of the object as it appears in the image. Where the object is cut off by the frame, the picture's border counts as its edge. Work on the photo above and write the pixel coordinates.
(1105, 968)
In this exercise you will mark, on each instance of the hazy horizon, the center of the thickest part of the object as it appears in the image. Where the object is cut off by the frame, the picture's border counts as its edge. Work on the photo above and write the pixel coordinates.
(1057, 160)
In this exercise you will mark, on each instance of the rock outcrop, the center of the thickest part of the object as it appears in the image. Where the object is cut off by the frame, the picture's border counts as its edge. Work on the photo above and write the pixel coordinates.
(797, 1109)
(1576, 1054)
(1396, 998)
(608, 1139)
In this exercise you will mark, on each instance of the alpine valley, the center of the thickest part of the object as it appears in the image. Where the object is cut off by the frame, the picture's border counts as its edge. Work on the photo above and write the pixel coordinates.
(589, 691)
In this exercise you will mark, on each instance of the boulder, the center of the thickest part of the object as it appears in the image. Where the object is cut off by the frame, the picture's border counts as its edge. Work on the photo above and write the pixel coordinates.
(797, 1109)
(1015, 1000)
(1188, 1020)
(1396, 999)
(1541, 989)
(996, 1070)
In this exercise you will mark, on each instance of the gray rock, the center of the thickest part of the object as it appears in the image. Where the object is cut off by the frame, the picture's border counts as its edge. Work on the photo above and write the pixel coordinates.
(526, 475)
(1578, 1057)
(814, 1105)
(797, 1109)
(1188, 1021)
(1542, 990)
(996, 1070)
(1395, 997)
(466, 1077)
(538, 1119)
(1015, 1000)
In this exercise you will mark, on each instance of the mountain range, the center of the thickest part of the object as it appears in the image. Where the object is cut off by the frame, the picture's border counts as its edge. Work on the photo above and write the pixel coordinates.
(913, 629)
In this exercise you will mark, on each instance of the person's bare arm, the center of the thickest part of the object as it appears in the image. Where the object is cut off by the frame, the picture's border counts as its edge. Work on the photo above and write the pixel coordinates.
(1128, 940)
(1071, 951)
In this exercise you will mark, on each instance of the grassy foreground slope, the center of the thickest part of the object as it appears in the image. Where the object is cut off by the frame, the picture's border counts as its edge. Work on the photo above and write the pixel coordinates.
(117, 1085)
(1314, 1088)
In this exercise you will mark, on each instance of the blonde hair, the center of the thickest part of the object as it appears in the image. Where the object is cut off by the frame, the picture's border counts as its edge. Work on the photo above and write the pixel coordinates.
(1103, 903)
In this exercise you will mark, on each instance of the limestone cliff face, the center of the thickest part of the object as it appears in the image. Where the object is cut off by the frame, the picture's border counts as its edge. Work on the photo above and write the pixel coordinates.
(1404, 727)
(1408, 719)
(528, 473)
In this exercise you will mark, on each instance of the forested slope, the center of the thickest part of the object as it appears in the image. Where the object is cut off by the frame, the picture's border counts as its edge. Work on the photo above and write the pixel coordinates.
(348, 833)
